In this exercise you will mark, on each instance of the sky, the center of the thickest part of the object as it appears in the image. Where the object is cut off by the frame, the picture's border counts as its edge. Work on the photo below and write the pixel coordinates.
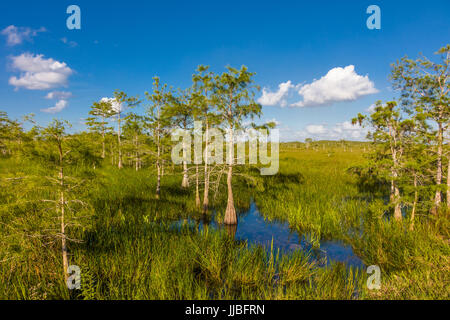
(317, 62)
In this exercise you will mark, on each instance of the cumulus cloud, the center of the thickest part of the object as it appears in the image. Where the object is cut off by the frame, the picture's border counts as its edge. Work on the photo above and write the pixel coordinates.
(346, 130)
(341, 130)
(58, 95)
(59, 106)
(339, 84)
(39, 73)
(315, 129)
(289, 134)
(276, 98)
(16, 35)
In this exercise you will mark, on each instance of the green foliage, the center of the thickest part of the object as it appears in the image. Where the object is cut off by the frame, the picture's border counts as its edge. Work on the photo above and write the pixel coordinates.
(131, 244)
(132, 250)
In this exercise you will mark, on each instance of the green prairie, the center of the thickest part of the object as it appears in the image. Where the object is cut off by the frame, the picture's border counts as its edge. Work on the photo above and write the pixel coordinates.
(129, 248)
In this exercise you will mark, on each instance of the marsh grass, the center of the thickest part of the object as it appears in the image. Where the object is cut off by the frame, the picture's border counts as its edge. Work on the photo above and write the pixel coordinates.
(130, 248)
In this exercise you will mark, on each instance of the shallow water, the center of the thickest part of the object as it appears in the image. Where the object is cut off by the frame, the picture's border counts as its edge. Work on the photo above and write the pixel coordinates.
(253, 228)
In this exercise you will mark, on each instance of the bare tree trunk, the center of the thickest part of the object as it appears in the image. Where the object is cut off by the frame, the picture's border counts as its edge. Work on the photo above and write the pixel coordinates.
(118, 141)
(197, 193)
(396, 199)
(413, 212)
(448, 184)
(163, 162)
(137, 153)
(158, 180)
(206, 190)
(219, 178)
(230, 213)
(391, 195)
(397, 208)
(185, 182)
(63, 239)
(438, 196)
(158, 166)
(103, 138)
(395, 192)
(61, 207)
(231, 230)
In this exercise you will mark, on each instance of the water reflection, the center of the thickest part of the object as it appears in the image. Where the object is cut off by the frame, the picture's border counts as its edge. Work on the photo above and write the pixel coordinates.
(253, 228)
(231, 230)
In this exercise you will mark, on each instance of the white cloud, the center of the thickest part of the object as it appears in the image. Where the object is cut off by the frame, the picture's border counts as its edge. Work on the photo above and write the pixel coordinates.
(16, 35)
(69, 43)
(289, 134)
(315, 129)
(39, 73)
(346, 130)
(59, 106)
(58, 95)
(341, 130)
(339, 84)
(279, 97)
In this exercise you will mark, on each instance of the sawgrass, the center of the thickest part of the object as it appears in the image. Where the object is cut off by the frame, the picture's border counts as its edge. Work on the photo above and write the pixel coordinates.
(131, 249)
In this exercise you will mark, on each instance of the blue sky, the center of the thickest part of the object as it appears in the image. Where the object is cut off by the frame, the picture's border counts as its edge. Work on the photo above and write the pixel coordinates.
(123, 44)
